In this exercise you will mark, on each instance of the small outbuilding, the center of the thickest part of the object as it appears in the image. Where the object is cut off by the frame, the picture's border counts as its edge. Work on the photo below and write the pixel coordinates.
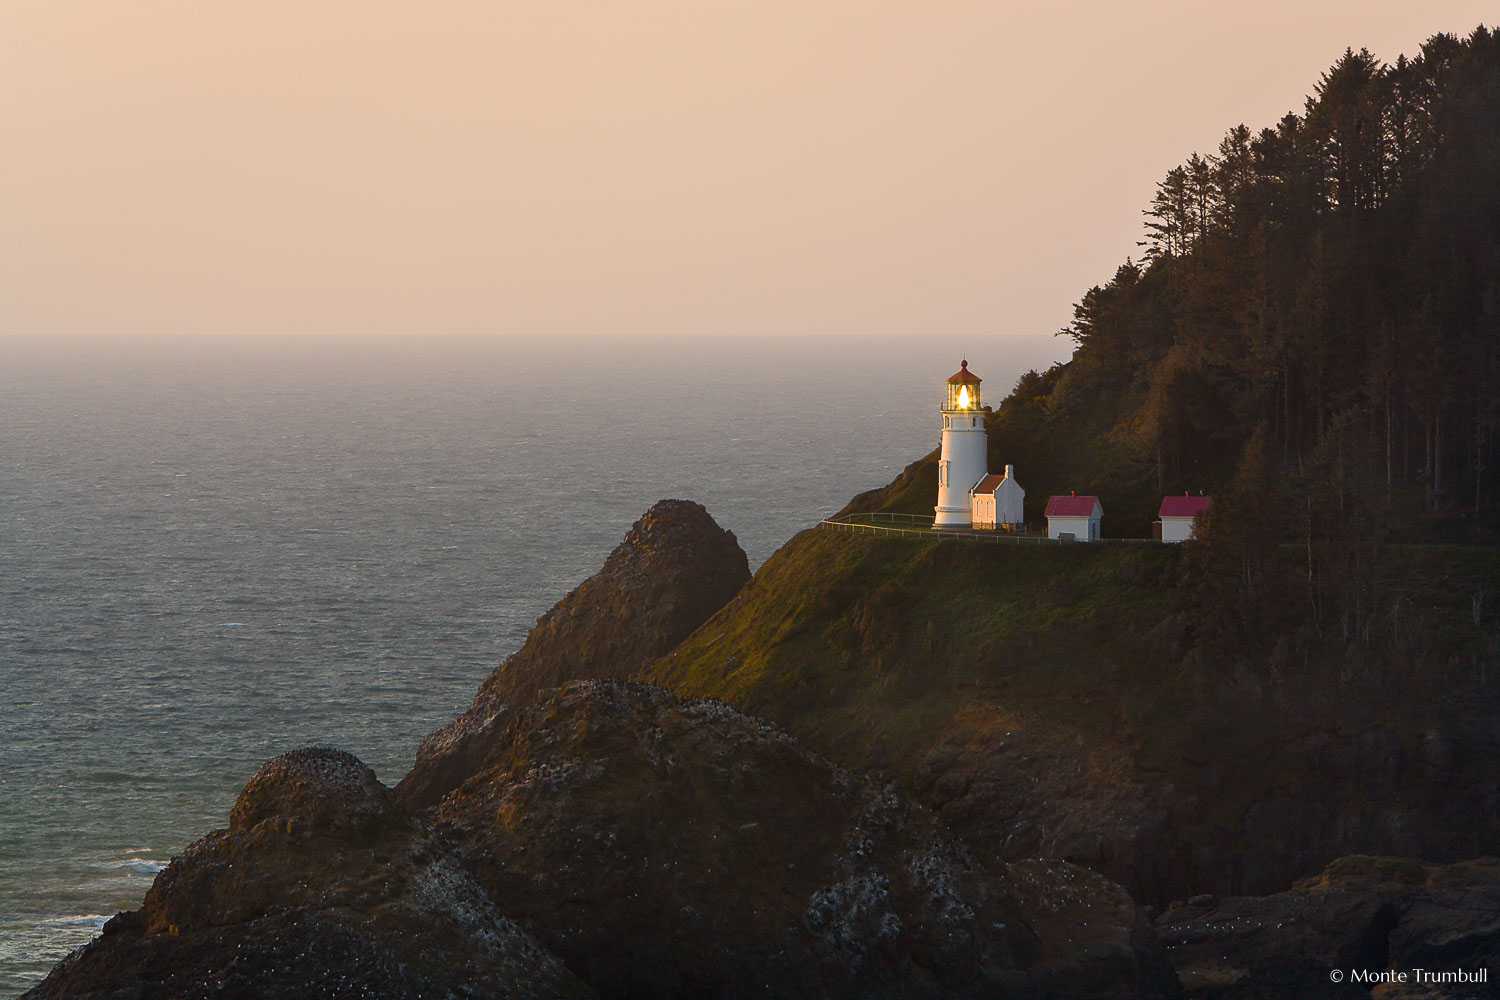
(999, 501)
(1074, 516)
(1179, 516)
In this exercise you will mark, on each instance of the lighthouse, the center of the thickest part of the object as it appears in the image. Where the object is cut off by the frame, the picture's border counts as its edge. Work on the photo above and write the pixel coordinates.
(964, 460)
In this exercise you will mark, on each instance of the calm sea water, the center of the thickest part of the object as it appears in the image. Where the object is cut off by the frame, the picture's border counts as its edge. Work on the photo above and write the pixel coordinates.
(215, 550)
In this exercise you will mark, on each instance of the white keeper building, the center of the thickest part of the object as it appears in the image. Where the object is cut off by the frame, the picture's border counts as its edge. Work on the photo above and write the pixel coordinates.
(999, 501)
(1179, 516)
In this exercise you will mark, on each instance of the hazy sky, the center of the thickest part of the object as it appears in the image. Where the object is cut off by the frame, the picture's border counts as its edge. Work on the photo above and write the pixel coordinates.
(762, 167)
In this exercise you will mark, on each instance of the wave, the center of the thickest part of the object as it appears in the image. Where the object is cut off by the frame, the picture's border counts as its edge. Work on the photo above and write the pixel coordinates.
(141, 866)
(94, 920)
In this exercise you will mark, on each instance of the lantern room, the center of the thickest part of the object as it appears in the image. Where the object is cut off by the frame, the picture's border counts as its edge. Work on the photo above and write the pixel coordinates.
(963, 390)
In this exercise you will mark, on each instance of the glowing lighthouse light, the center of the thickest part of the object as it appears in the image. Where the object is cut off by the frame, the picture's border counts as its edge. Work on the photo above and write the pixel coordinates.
(963, 398)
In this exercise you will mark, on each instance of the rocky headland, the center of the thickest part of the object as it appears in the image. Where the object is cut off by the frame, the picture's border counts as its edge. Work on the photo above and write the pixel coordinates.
(578, 833)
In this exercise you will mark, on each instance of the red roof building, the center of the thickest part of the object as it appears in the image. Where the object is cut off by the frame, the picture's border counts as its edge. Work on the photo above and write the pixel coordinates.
(1074, 518)
(1179, 516)
(1071, 506)
(1183, 506)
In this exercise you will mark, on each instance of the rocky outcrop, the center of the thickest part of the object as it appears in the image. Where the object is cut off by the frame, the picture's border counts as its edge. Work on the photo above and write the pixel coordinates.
(663, 847)
(323, 886)
(1019, 789)
(674, 568)
(1362, 917)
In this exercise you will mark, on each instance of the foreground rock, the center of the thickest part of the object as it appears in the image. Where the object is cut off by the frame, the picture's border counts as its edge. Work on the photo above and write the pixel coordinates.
(1373, 915)
(674, 569)
(322, 887)
(663, 847)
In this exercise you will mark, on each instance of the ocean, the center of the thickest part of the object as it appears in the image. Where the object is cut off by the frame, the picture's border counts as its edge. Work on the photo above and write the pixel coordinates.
(213, 550)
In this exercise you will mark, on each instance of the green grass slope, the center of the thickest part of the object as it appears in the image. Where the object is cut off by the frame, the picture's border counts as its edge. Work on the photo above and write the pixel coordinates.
(872, 647)
(1132, 707)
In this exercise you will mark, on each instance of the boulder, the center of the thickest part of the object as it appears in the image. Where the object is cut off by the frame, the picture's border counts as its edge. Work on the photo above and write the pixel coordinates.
(1372, 915)
(322, 886)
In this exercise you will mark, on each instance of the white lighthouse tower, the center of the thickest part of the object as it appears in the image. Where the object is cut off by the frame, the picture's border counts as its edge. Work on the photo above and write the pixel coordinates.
(964, 460)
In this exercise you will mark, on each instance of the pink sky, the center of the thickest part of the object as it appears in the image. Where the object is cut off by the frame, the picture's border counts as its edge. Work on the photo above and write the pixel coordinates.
(763, 167)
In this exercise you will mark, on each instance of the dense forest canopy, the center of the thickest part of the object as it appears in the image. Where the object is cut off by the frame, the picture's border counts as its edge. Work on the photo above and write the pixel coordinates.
(1312, 331)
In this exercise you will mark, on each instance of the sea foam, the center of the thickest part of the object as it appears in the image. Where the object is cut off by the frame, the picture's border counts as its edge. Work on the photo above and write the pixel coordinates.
(94, 920)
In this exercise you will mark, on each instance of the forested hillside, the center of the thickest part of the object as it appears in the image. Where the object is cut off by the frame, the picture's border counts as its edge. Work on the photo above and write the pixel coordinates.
(1328, 288)
(1315, 317)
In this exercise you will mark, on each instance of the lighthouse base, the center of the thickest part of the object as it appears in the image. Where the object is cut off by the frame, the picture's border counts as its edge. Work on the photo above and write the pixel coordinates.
(953, 517)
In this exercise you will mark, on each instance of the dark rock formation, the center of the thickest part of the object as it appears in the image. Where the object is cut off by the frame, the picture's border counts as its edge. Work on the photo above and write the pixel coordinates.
(664, 847)
(1025, 789)
(1037, 790)
(1362, 913)
(322, 887)
(673, 570)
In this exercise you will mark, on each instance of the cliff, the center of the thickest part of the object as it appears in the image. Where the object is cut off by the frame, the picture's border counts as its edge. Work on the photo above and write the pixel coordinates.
(1123, 707)
(603, 814)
